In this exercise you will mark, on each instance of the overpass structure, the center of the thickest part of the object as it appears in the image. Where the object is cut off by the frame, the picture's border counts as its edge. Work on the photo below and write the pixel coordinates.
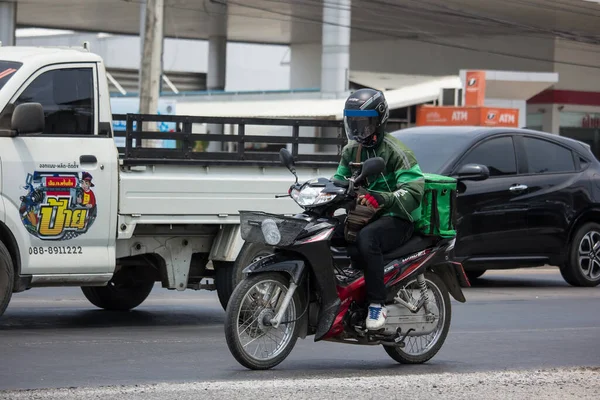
(330, 40)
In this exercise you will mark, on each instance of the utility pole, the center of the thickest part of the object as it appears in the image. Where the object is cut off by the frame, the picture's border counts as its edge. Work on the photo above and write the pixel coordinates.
(151, 63)
(217, 59)
(8, 21)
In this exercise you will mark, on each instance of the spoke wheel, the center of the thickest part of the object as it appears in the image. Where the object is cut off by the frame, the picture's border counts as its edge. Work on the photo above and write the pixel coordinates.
(253, 342)
(583, 268)
(419, 349)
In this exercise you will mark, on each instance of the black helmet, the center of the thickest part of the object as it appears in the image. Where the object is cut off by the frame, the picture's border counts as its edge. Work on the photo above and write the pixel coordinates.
(365, 115)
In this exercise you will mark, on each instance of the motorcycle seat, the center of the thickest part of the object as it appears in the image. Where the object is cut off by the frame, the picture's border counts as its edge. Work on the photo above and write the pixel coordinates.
(416, 243)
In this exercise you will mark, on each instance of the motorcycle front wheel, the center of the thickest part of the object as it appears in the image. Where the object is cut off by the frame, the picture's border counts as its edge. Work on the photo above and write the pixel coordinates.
(419, 349)
(252, 341)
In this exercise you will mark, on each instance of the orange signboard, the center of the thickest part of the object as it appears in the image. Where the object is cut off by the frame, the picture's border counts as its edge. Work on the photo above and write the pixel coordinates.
(476, 116)
(475, 88)
(499, 117)
(473, 113)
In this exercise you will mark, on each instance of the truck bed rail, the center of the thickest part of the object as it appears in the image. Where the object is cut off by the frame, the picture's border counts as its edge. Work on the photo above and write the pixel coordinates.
(138, 154)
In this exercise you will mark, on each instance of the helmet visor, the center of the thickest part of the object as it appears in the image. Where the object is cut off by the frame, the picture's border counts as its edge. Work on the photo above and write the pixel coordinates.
(360, 124)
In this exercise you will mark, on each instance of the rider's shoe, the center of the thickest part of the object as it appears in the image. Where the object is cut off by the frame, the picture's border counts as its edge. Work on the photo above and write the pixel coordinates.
(376, 317)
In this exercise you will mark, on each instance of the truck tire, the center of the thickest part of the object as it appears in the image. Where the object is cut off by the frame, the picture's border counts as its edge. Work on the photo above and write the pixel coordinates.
(7, 278)
(584, 270)
(229, 274)
(122, 292)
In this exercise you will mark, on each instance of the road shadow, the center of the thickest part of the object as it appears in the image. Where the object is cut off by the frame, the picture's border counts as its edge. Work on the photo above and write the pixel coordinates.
(521, 278)
(69, 318)
(349, 368)
(517, 282)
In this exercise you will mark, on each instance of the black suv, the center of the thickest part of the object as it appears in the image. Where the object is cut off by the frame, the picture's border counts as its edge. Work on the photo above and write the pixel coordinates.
(539, 205)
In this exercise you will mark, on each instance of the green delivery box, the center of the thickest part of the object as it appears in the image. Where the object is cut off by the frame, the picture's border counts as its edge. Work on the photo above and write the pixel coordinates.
(438, 208)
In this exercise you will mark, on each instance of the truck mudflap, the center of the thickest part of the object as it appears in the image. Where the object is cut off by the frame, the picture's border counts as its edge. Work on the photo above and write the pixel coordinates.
(227, 244)
(453, 275)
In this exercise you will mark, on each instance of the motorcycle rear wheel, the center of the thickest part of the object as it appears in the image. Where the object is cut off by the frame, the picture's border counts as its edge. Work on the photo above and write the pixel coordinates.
(249, 298)
(441, 296)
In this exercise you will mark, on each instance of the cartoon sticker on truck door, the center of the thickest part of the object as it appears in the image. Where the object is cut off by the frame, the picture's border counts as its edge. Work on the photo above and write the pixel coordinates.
(58, 206)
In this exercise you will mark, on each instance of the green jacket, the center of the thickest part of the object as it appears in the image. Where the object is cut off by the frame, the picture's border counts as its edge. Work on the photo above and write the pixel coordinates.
(402, 184)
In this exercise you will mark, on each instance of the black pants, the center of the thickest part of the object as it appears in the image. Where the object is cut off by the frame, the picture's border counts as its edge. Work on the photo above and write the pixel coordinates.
(378, 237)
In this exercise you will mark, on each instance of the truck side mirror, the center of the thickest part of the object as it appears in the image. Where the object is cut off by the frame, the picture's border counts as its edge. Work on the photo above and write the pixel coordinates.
(28, 118)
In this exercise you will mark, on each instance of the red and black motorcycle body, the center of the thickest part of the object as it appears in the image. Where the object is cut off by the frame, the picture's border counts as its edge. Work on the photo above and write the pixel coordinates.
(336, 302)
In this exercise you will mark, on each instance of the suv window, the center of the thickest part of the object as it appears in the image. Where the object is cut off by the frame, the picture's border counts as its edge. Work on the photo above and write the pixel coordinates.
(67, 96)
(497, 154)
(546, 157)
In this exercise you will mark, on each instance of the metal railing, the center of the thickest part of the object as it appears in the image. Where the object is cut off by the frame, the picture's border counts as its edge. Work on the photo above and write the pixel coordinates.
(184, 153)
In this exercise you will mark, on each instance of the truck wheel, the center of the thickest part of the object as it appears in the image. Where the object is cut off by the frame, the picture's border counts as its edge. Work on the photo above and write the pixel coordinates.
(7, 278)
(583, 266)
(125, 291)
(229, 274)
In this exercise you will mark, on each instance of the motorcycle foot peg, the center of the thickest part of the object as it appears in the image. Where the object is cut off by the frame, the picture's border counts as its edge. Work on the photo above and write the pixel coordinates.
(360, 329)
(400, 339)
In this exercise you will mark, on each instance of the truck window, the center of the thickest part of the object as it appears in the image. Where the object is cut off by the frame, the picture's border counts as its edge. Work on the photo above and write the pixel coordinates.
(7, 70)
(67, 96)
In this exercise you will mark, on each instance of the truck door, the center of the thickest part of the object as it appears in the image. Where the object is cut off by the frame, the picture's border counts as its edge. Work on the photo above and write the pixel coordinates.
(60, 186)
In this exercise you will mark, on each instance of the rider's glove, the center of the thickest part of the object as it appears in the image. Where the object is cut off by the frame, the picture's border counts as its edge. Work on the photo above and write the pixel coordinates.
(374, 199)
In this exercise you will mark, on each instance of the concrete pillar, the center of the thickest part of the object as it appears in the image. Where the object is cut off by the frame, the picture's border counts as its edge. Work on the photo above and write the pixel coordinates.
(8, 22)
(217, 46)
(217, 60)
(335, 59)
(554, 119)
(151, 62)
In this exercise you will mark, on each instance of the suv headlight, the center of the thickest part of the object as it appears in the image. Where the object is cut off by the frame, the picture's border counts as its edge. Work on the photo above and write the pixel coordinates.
(311, 196)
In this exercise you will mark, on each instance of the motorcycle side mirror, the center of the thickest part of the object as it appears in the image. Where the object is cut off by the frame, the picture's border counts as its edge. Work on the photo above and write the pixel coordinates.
(372, 166)
(287, 160)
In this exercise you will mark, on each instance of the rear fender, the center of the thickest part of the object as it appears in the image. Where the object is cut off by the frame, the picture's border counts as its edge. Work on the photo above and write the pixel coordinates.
(453, 275)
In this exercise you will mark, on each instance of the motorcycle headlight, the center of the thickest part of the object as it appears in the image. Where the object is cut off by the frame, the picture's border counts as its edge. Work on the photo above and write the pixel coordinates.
(311, 196)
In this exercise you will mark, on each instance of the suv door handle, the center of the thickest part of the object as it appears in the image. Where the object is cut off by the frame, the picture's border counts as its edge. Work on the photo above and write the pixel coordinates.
(517, 188)
(87, 159)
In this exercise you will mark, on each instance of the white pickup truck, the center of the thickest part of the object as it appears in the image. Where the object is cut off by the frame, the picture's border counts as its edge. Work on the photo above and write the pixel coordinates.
(76, 210)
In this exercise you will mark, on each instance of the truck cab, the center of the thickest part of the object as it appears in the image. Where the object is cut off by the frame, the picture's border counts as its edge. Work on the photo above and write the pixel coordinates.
(77, 210)
(58, 182)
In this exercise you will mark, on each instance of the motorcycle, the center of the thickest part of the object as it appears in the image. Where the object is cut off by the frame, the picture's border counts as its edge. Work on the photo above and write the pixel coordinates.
(307, 286)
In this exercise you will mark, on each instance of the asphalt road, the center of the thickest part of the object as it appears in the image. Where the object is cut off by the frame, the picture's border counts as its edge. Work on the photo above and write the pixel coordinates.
(513, 320)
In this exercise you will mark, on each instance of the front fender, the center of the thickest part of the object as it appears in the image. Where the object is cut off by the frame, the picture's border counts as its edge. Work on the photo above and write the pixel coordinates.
(288, 263)
(280, 262)
(453, 274)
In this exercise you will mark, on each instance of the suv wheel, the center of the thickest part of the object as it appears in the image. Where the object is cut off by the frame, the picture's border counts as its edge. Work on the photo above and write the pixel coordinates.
(583, 266)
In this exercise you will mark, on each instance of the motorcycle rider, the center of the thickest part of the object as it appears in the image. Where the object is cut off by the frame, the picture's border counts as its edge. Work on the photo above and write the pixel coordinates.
(396, 195)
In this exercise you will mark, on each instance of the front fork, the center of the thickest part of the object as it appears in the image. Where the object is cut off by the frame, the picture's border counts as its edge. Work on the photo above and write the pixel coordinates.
(284, 305)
